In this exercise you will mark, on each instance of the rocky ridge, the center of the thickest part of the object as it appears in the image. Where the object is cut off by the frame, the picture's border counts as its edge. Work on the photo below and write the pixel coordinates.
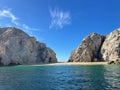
(17, 47)
(96, 47)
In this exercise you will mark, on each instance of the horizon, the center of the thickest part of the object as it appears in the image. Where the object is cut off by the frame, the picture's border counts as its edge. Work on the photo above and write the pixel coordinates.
(61, 25)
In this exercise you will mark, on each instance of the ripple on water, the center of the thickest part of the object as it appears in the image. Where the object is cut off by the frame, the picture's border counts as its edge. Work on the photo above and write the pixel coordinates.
(62, 77)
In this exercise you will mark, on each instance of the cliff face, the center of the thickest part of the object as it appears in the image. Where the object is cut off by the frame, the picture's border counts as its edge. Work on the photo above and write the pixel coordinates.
(111, 47)
(16, 47)
(96, 47)
(89, 49)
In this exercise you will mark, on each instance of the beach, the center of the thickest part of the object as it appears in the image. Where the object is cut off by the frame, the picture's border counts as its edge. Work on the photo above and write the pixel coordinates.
(75, 63)
(79, 63)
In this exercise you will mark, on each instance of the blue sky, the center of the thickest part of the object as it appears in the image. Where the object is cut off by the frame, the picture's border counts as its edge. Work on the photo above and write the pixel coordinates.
(61, 24)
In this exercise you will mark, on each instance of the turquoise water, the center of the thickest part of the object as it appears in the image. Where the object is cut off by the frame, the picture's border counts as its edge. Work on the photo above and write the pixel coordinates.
(61, 77)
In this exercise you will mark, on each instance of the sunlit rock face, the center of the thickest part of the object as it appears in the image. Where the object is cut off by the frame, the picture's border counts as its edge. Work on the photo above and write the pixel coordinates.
(111, 47)
(17, 47)
(88, 51)
(97, 47)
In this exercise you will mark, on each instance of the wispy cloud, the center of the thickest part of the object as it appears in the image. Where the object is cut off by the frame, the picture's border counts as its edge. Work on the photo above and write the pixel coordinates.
(6, 13)
(29, 28)
(59, 18)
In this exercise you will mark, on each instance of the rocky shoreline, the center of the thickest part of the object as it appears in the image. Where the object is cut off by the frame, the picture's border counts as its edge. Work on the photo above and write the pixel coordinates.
(97, 48)
(17, 47)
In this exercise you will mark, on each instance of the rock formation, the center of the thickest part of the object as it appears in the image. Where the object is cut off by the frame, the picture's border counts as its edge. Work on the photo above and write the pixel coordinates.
(97, 47)
(89, 49)
(16, 47)
(111, 47)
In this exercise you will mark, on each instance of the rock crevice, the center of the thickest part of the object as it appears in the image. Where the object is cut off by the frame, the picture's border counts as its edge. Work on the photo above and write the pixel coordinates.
(96, 47)
(88, 51)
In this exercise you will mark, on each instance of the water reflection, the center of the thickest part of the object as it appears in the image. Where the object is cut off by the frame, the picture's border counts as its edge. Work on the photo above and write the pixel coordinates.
(112, 76)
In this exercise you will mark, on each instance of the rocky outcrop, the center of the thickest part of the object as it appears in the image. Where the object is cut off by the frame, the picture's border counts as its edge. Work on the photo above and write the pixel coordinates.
(16, 47)
(111, 47)
(96, 47)
(89, 49)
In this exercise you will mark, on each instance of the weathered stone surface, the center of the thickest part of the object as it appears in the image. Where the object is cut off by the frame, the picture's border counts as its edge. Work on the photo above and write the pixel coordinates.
(98, 48)
(89, 49)
(111, 47)
(16, 47)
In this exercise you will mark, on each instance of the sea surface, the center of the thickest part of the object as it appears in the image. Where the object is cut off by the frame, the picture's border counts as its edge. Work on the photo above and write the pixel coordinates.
(60, 77)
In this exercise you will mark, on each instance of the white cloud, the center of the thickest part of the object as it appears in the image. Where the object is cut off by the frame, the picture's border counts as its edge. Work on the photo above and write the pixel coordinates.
(29, 28)
(59, 18)
(7, 14)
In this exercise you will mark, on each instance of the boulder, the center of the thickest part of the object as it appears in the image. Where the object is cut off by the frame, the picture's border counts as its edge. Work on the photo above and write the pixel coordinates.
(17, 47)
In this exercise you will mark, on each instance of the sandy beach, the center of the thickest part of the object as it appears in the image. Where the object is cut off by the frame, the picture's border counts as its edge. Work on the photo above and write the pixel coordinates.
(79, 63)
(75, 63)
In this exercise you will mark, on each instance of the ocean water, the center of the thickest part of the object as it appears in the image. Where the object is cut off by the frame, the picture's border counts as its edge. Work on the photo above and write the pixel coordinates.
(61, 77)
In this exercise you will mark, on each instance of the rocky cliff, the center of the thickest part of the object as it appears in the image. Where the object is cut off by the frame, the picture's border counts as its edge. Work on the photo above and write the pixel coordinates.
(89, 49)
(16, 47)
(111, 47)
(97, 47)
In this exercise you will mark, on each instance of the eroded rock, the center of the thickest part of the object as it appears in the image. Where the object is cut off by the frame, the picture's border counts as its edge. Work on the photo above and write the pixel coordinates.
(96, 47)
(16, 47)
(111, 47)
(89, 49)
